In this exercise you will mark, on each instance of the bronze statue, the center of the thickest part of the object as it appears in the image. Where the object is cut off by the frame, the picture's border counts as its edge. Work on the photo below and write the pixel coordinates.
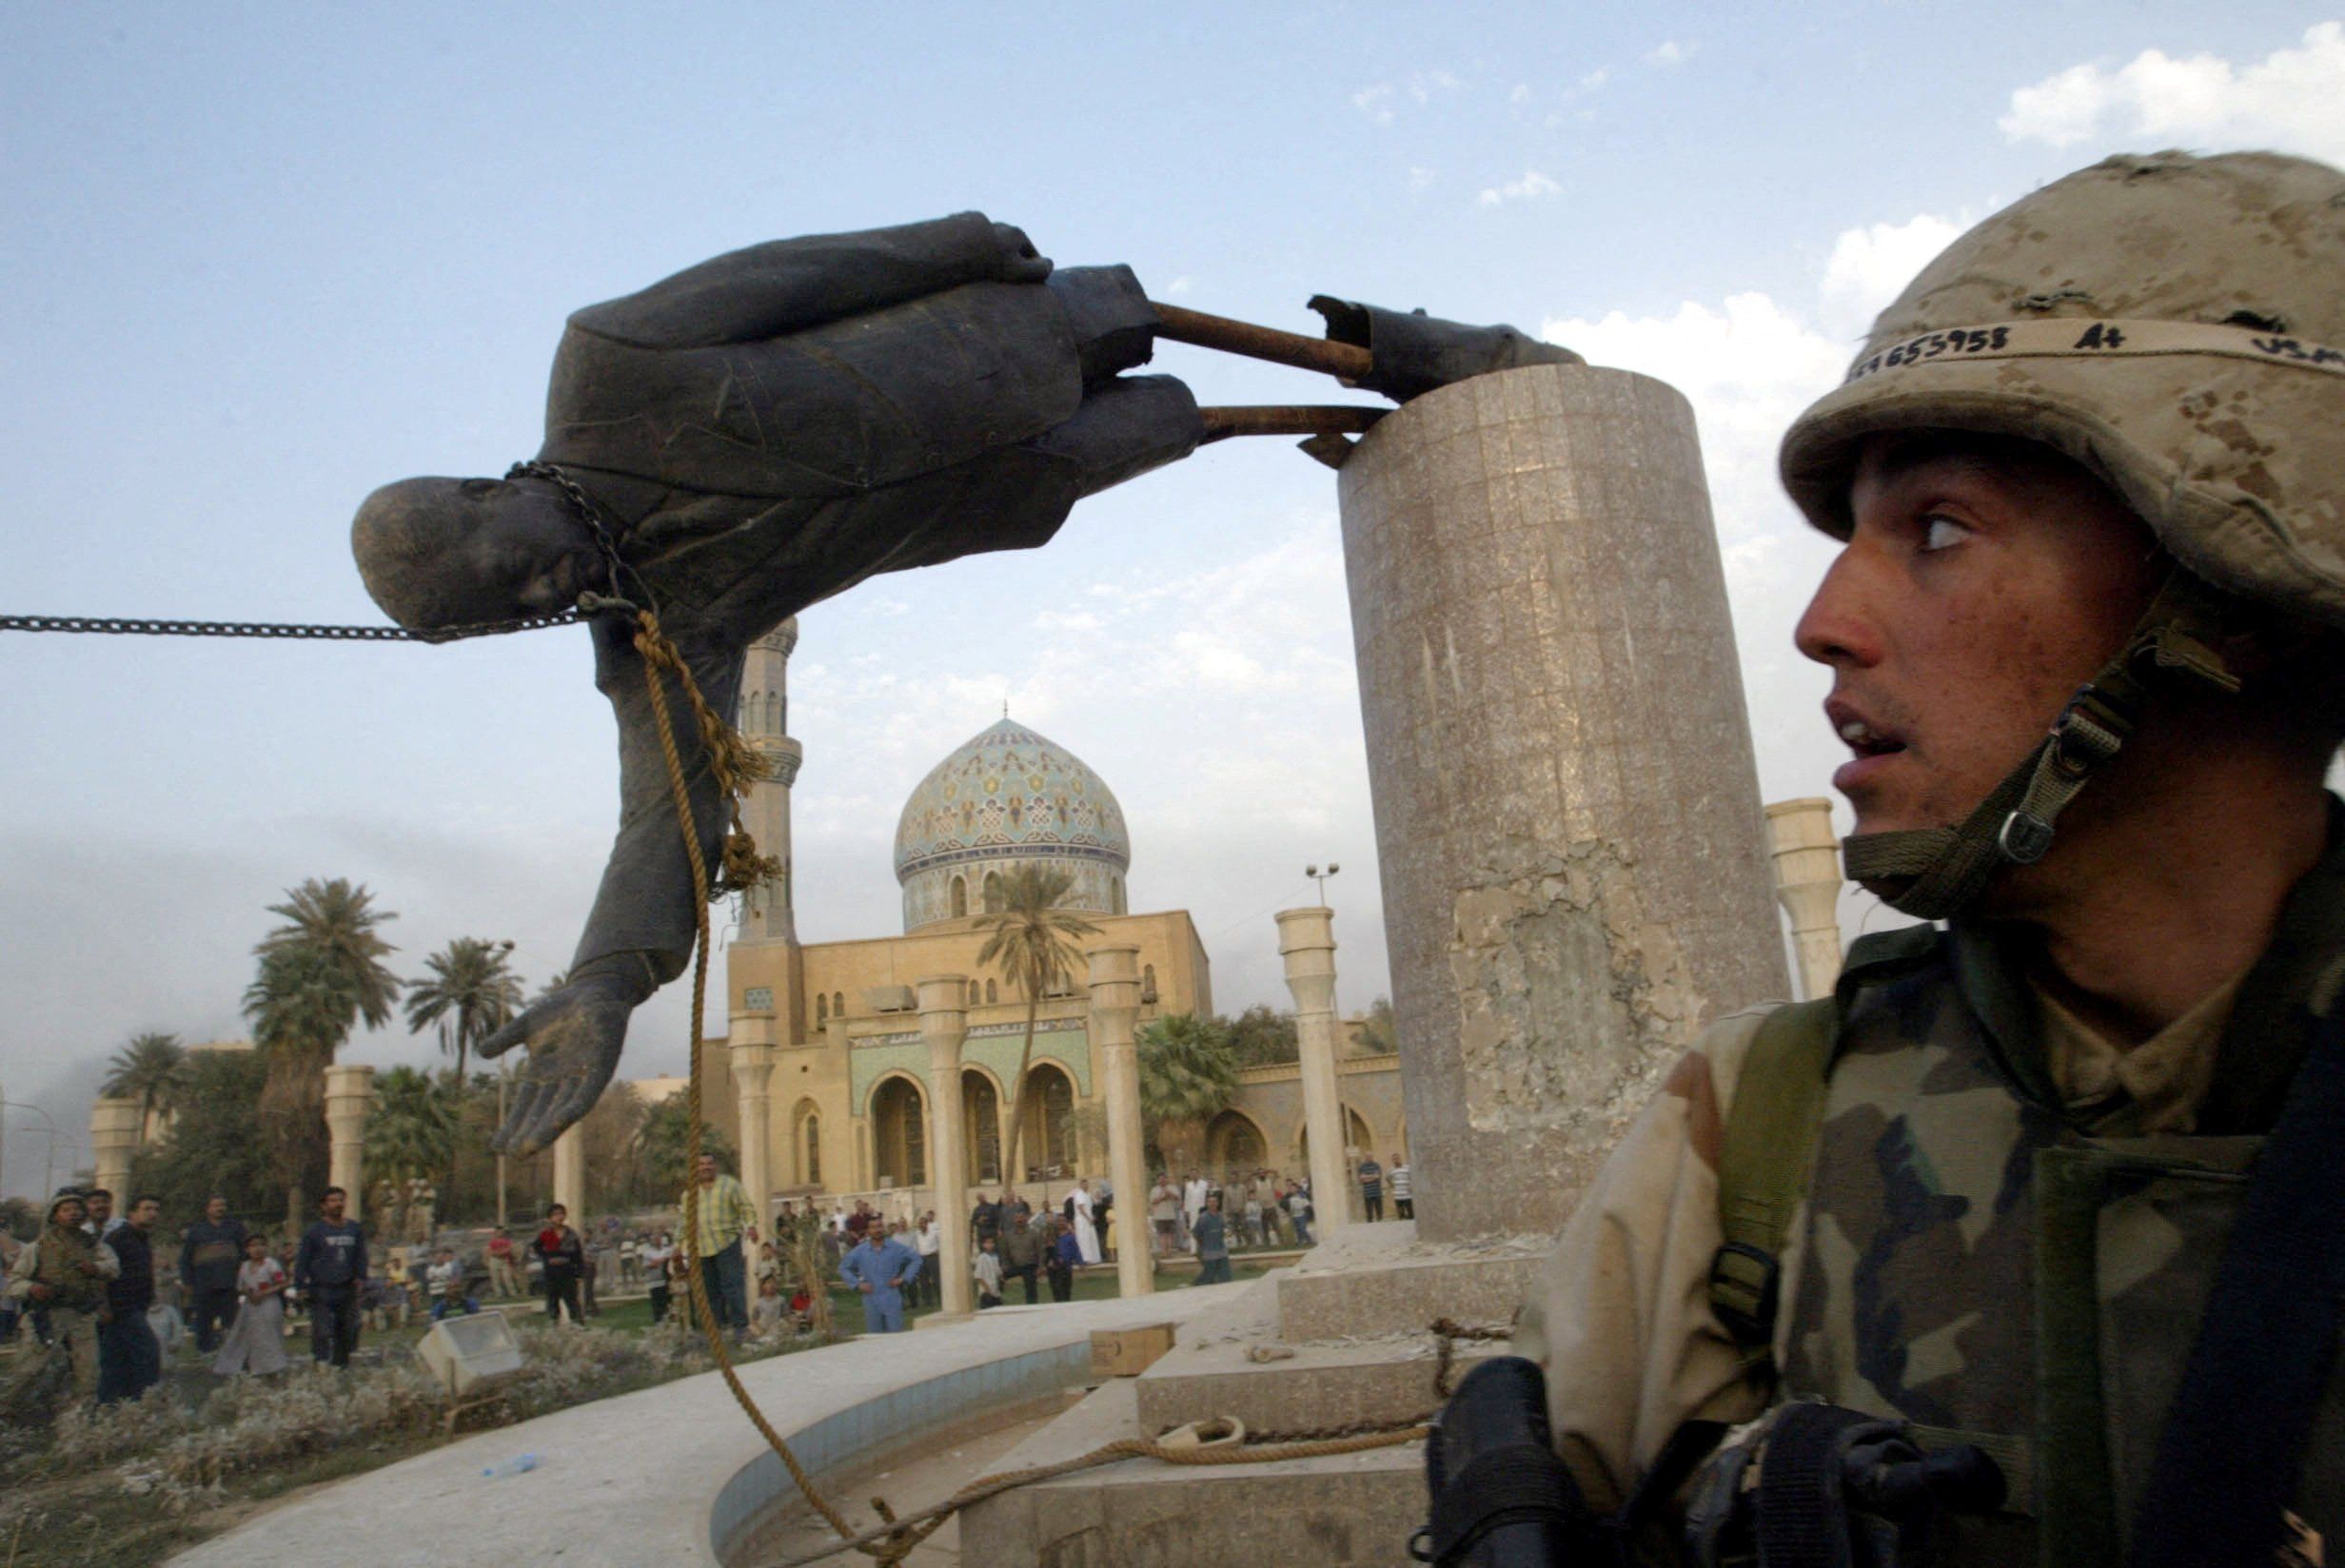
(766, 429)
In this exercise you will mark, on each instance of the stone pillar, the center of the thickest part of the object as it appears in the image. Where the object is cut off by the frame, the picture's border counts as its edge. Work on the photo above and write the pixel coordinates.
(113, 1139)
(570, 1174)
(1807, 879)
(753, 1073)
(1114, 1003)
(1575, 869)
(944, 1024)
(1307, 942)
(349, 1095)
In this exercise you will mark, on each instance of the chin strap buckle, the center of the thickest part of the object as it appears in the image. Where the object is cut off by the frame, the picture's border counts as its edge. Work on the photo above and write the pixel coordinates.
(2023, 838)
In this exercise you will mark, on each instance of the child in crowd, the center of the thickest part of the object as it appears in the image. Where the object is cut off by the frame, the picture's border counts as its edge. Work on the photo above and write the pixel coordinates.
(765, 1313)
(987, 1269)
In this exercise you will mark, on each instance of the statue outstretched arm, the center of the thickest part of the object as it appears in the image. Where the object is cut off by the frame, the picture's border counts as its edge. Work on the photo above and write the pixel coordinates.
(640, 933)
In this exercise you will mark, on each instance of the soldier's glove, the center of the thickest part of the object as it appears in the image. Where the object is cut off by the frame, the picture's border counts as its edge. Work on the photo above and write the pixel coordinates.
(1500, 1499)
(1811, 1485)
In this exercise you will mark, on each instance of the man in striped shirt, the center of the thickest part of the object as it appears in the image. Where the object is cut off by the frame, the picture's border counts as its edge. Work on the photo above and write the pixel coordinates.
(725, 1215)
(1404, 1192)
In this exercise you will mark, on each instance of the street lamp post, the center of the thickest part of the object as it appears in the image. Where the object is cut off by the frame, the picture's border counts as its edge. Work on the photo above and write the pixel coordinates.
(49, 1151)
(1321, 878)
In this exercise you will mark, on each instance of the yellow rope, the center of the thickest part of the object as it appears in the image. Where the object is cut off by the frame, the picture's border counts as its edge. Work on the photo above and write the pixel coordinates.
(736, 767)
(1123, 1448)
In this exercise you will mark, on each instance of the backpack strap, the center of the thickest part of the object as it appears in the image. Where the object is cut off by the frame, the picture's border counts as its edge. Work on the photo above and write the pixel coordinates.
(1763, 1165)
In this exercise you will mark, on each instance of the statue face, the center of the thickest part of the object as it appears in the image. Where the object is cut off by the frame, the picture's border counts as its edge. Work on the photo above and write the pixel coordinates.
(440, 552)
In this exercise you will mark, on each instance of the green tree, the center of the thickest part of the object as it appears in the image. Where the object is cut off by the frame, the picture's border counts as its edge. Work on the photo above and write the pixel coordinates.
(338, 920)
(150, 1069)
(1379, 1034)
(468, 992)
(662, 1141)
(410, 1130)
(1263, 1037)
(1031, 944)
(1188, 1075)
(320, 974)
(215, 1145)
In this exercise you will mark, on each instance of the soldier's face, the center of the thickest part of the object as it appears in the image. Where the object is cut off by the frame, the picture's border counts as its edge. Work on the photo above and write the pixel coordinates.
(1983, 581)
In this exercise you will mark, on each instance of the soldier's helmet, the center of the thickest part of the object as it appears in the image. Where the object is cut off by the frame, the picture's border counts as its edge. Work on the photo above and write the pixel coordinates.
(2175, 323)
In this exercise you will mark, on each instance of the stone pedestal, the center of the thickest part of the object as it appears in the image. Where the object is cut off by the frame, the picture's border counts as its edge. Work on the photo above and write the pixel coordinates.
(570, 1174)
(1307, 943)
(1575, 876)
(944, 1024)
(1807, 879)
(349, 1095)
(113, 1139)
(1114, 1003)
(752, 1068)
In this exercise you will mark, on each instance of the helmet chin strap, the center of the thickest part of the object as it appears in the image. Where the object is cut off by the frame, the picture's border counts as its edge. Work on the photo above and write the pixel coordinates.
(1937, 873)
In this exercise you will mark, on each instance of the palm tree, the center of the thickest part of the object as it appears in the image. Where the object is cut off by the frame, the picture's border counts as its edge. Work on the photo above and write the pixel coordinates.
(300, 1005)
(1031, 946)
(1187, 1071)
(321, 974)
(469, 993)
(410, 1130)
(339, 920)
(151, 1069)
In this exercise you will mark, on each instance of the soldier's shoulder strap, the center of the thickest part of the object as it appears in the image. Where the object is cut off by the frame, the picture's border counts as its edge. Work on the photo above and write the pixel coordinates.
(1765, 1161)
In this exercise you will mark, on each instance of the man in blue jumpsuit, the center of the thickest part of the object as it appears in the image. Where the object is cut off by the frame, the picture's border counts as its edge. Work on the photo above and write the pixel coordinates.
(880, 1266)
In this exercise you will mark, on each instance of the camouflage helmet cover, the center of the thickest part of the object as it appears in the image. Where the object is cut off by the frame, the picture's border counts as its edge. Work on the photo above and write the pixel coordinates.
(2175, 323)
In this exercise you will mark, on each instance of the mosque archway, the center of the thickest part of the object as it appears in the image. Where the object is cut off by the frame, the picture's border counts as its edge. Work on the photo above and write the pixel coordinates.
(981, 1119)
(899, 1133)
(1047, 1142)
(806, 1145)
(1234, 1144)
(960, 897)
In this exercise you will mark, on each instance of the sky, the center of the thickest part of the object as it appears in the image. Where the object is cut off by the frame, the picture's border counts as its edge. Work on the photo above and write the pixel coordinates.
(260, 258)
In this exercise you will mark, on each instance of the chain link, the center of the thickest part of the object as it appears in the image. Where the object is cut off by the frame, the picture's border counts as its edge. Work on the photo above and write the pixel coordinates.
(282, 630)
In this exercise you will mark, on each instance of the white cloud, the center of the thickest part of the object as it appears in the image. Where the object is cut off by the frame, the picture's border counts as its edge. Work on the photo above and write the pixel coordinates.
(1870, 267)
(1375, 102)
(1425, 84)
(1179, 285)
(1522, 93)
(1421, 179)
(2293, 99)
(1670, 53)
(1532, 184)
(1594, 79)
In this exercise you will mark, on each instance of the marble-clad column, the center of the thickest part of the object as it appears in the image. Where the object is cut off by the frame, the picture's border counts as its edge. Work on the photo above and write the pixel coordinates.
(570, 1174)
(1307, 942)
(1115, 1004)
(944, 1024)
(113, 1139)
(753, 1072)
(1807, 879)
(349, 1095)
(1567, 825)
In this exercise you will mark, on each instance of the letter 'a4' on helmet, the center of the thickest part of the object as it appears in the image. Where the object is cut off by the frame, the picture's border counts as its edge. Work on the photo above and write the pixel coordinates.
(2173, 323)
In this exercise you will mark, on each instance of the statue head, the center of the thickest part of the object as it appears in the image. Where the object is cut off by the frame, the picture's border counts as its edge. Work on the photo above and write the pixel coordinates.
(438, 553)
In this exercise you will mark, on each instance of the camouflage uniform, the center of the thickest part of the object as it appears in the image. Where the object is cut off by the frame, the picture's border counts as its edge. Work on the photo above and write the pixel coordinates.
(2013, 1227)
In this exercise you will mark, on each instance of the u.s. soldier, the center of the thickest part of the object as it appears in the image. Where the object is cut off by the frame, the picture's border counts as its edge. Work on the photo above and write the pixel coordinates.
(2056, 1178)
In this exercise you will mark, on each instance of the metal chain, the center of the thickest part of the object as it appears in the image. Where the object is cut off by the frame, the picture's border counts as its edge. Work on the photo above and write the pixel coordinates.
(118, 626)
(293, 631)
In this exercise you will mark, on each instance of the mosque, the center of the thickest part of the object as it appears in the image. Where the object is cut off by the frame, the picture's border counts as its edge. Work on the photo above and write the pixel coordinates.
(824, 1050)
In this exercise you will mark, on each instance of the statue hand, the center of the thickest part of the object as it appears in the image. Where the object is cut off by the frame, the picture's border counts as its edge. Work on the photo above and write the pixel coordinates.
(574, 1037)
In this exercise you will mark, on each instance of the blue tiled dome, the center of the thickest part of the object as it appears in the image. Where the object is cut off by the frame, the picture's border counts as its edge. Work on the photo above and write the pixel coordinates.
(1005, 797)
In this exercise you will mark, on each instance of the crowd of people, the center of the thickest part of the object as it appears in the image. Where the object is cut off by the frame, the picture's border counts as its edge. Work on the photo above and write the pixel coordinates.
(89, 1288)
